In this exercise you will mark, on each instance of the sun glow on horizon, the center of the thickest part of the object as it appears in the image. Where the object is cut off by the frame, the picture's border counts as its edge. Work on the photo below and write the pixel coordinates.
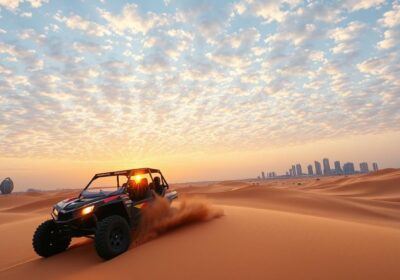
(41, 173)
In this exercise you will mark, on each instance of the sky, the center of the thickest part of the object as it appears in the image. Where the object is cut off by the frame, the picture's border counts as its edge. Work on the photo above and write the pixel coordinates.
(203, 90)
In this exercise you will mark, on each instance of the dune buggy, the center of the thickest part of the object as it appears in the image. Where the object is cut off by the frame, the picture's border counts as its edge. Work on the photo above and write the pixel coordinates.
(107, 210)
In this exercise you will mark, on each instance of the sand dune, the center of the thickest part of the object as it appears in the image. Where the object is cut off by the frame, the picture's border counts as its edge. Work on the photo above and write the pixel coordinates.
(332, 228)
(214, 187)
(378, 185)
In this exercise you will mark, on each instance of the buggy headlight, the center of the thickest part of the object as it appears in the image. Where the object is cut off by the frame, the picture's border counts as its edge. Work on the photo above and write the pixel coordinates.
(55, 212)
(87, 210)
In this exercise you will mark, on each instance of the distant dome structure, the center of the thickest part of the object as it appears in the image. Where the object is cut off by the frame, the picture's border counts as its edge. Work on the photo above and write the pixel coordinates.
(7, 186)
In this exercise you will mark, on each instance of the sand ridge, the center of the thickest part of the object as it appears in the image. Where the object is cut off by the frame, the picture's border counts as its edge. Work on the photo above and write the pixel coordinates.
(303, 228)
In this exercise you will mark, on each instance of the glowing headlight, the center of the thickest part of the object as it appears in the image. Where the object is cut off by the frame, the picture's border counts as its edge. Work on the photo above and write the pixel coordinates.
(55, 212)
(87, 210)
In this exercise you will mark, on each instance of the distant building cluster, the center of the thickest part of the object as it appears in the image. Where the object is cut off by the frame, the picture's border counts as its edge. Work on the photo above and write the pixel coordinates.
(269, 175)
(322, 170)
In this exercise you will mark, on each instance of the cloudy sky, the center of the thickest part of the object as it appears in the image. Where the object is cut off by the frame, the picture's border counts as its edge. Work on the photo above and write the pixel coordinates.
(202, 89)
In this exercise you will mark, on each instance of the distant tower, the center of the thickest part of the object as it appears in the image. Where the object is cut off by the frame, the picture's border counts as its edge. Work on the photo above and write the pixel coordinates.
(338, 168)
(364, 167)
(310, 170)
(294, 170)
(318, 170)
(263, 175)
(348, 168)
(375, 166)
(290, 172)
(327, 167)
(299, 172)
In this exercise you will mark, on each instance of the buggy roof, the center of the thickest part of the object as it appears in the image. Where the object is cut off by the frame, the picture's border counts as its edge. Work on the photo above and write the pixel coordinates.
(128, 172)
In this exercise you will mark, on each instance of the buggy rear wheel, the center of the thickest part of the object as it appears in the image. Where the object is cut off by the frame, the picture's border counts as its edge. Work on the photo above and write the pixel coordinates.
(113, 237)
(48, 240)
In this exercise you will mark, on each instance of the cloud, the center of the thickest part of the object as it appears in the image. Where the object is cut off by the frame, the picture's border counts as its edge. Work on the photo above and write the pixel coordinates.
(13, 5)
(391, 20)
(385, 67)
(391, 39)
(4, 70)
(170, 44)
(244, 38)
(239, 8)
(87, 47)
(154, 63)
(229, 60)
(28, 15)
(131, 21)
(303, 27)
(90, 28)
(207, 18)
(328, 12)
(296, 36)
(347, 38)
(268, 10)
(355, 5)
(37, 3)
(180, 34)
(27, 56)
(234, 50)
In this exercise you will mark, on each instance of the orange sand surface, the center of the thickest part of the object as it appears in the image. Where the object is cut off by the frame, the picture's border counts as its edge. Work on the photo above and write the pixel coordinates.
(304, 228)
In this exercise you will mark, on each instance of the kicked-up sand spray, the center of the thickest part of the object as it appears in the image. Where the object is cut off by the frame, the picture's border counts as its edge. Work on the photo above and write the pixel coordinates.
(161, 216)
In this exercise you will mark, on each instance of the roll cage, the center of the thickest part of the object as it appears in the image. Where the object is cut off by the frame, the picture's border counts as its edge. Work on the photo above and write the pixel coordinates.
(128, 173)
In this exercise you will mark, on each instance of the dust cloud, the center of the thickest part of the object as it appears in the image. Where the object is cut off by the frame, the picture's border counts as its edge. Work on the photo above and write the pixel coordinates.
(161, 216)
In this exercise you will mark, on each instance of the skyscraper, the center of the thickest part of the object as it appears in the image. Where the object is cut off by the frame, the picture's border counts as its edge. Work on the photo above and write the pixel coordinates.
(294, 170)
(348, 168)
(263, 175)
(364, 167)
(310, 170)
(299, 171)
(375, 166)
(318, 170)
(338, 168)
(327, 167)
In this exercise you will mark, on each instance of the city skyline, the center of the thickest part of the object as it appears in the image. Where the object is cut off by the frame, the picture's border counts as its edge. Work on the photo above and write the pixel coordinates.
(348, 168)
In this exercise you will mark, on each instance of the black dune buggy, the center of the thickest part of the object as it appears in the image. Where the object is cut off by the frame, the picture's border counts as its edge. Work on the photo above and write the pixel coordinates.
(107, 209)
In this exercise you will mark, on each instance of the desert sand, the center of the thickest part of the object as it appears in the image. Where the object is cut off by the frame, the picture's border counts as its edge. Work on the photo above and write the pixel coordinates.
(304, 228)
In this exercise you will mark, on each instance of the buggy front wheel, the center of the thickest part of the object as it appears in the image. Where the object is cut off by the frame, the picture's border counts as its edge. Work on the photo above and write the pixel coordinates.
(48, 240)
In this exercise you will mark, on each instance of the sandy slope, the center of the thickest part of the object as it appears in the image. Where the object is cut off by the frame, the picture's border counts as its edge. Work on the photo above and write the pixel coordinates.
(333, 228)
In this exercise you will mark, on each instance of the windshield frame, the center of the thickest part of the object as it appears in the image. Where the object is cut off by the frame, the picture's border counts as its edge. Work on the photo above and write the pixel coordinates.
(128, 173)
(118, 186)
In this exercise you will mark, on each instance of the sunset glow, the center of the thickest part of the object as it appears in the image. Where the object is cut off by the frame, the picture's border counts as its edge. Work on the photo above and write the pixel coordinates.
(200, 89)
